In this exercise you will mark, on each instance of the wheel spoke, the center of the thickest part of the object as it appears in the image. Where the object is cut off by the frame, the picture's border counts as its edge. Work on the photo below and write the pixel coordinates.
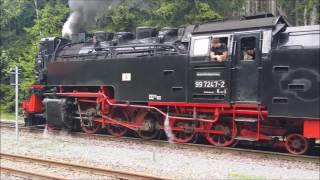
(152, 123)
(225, 139)
(297, 144)
(187, 134)
(116, 129)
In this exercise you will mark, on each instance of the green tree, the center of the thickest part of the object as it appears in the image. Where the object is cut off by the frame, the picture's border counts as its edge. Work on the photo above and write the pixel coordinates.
(157, 13)
(15, 15)
(122, 18)
(202, 12)
(50, 22)
(21, 46)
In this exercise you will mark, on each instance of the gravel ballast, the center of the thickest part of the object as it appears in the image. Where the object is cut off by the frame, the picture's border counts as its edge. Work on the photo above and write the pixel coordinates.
(168, 162)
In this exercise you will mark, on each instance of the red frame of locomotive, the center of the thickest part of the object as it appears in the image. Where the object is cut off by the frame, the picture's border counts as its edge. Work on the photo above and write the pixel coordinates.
(311, 127)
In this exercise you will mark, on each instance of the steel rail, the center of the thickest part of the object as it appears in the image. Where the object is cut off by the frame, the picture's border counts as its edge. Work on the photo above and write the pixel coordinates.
(237, 151)
(28, 174)
(94, 170)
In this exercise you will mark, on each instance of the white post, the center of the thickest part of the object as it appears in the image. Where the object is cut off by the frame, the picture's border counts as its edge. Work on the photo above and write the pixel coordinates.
(17, 104)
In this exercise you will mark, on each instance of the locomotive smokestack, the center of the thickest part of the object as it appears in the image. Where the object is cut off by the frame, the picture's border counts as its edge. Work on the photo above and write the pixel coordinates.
(83, 14)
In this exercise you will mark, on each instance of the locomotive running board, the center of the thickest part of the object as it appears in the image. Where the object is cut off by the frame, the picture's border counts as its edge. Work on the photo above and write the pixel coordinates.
(245, 138)
(249, 120)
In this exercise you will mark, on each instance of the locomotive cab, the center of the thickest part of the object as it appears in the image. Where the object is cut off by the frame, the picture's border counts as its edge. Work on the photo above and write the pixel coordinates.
(209, 80)
(236, 79)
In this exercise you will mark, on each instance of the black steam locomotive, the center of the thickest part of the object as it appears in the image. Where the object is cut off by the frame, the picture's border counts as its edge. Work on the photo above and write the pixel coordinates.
(154, 82)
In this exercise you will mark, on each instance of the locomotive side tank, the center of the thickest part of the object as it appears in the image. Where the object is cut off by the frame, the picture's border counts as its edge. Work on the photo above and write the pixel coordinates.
(132, 79)
(291, 76)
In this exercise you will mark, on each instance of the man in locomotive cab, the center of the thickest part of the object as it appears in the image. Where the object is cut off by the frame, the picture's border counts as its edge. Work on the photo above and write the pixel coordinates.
(218, 50)
(248, 49)
(249, 54)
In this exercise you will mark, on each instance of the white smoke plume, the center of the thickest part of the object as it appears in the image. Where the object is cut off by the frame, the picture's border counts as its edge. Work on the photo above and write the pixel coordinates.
(167, 129)
(83, 14)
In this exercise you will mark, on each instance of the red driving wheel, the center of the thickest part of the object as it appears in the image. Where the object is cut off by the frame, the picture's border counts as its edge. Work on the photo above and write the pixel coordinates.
(297, 144)
(188, 134)
(88, 124)
(227, 138)
(91, 129)
(151, 127)
(116, 129)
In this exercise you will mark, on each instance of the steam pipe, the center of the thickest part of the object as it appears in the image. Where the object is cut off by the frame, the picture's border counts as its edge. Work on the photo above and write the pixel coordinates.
(55, 50)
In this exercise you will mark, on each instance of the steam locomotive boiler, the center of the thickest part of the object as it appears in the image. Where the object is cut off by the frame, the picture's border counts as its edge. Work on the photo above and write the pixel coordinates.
(164, 81)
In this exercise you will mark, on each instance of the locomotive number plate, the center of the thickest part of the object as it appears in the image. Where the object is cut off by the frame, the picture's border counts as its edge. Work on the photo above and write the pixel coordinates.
(209, 84)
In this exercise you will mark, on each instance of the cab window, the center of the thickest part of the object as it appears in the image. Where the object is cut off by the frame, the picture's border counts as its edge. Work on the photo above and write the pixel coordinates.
(201, 47)
(220, 48)
(248, 49)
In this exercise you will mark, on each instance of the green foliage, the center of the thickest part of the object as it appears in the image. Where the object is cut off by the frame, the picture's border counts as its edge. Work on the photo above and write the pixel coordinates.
(13, 19)
(129, 14)
(295, 10)
(20, 46)
(202, 13)
(123, 19)
(50, 22)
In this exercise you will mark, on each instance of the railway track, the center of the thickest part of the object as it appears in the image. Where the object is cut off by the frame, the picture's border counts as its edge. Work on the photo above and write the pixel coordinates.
(74, 167)
(198, 147)
(29, 175)
(10, 123)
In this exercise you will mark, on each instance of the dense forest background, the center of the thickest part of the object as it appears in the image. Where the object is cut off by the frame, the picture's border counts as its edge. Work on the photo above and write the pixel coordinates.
(24, 22)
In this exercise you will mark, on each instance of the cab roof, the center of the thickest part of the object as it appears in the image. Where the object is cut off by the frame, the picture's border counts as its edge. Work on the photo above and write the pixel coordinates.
(234, 25)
